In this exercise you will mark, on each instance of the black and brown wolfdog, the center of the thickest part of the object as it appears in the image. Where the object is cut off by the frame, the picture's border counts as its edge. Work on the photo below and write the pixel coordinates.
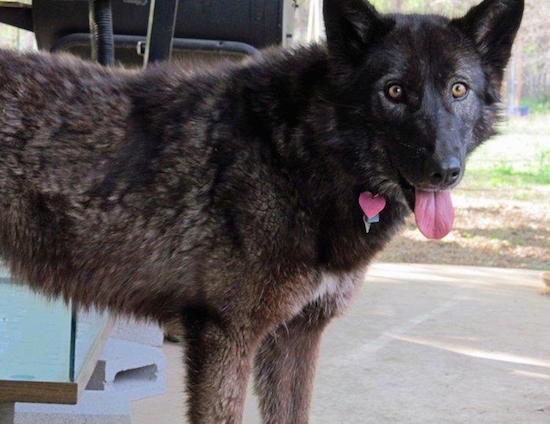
(245, 200)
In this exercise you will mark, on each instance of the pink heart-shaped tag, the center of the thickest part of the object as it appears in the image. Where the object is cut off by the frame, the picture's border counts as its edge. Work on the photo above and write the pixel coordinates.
(370, 204)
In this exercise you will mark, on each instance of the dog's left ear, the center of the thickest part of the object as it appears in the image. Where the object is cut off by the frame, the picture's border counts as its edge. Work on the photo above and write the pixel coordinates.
(493, 25)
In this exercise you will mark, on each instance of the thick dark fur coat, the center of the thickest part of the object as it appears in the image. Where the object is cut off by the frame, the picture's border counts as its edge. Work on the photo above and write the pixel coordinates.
(229, 197)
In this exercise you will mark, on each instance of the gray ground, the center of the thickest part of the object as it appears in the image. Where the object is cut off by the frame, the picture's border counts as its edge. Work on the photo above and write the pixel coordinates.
(423, 344)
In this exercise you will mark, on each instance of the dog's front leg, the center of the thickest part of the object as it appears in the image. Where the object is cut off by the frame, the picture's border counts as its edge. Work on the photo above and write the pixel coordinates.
(219, 360)
(285, 366)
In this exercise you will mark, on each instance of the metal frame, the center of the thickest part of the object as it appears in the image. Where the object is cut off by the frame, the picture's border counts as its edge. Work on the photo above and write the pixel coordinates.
(150, 31)
(137, 42)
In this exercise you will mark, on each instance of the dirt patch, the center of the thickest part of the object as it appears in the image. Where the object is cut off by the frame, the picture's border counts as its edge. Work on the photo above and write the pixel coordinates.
(491, 229)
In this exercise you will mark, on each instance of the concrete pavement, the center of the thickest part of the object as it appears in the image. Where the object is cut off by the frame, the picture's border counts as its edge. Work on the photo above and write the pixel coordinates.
(423, 344)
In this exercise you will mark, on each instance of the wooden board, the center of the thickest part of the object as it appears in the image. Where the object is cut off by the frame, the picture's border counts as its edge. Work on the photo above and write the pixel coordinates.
(38, 392)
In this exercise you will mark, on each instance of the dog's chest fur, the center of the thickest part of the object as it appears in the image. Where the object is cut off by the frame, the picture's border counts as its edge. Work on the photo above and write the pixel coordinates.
(339, 288)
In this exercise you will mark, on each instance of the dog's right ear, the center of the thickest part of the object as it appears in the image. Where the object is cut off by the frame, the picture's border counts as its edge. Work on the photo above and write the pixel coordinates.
(350, 26)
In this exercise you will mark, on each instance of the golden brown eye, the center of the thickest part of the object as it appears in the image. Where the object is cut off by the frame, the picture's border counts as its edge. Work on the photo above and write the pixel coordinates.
(459, 90)
(395, 92)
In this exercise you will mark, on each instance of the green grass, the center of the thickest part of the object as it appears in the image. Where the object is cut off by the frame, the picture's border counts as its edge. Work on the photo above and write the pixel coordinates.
(517, 158)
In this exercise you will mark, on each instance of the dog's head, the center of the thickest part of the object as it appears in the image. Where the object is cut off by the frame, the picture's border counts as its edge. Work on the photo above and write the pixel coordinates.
(415, 94)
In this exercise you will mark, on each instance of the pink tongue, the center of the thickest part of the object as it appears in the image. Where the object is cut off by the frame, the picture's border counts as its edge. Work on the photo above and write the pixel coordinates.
(434, 213)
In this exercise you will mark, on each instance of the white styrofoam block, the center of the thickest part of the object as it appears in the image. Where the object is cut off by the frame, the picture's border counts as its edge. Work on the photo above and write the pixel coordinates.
(132, 368)
(144, 332)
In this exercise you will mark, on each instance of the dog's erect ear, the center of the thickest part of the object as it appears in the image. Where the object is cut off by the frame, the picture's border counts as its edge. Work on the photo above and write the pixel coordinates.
(350, 26)
(492, 25)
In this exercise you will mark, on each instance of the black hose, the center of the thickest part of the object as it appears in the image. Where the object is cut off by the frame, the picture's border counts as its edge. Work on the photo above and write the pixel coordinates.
(101, 29)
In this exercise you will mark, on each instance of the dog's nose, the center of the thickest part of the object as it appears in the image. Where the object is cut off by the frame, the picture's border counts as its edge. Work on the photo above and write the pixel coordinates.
(446, 172)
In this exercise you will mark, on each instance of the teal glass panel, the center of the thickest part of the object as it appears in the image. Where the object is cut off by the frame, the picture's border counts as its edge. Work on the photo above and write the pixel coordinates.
(35, 335)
